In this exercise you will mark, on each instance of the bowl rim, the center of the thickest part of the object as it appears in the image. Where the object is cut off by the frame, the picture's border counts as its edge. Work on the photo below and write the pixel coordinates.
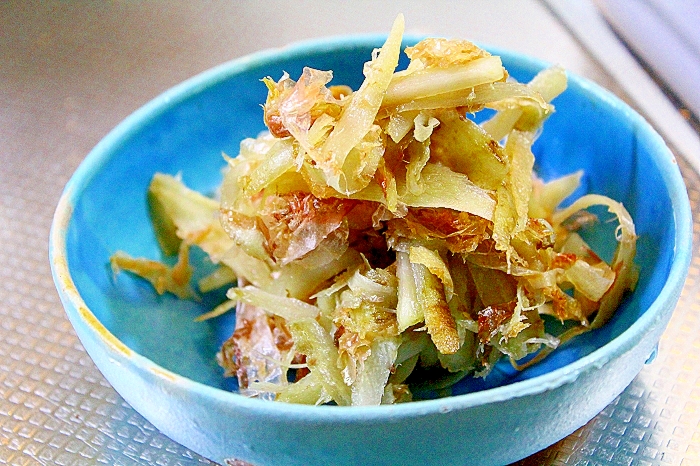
(102, 152)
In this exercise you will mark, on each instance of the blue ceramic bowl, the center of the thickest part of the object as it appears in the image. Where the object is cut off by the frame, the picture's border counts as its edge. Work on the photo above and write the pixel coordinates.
(162, 362)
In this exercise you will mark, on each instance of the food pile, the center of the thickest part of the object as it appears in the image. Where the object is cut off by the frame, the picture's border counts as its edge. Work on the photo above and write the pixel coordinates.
(380, 237)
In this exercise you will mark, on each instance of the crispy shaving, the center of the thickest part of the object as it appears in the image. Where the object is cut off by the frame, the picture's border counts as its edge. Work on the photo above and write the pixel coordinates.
(491, 317)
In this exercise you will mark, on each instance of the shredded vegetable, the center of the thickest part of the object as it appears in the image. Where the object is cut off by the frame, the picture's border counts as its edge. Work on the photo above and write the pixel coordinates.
(381, 234)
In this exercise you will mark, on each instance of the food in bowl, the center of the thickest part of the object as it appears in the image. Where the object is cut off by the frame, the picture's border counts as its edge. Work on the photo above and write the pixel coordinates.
(163, 363)
(385, 244)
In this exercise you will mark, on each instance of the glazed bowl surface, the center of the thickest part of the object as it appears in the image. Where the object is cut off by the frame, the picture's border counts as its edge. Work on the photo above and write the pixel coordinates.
(163, 362)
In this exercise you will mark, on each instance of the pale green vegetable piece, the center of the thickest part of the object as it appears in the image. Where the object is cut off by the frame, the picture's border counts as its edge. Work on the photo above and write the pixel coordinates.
(358, 116)
(548, 83)
(592, 281)
(435, 264)
(280, 159)
(290, 309)
(193, 216)
(368, 388)
(513, 197)
(418, 154)
(321, 354)
(443, 187)
(466, 148)
(438, 319)
(408, 310)
(434, 81)
(497, 95)
(221, 276)
(547, 196)
(308, 390)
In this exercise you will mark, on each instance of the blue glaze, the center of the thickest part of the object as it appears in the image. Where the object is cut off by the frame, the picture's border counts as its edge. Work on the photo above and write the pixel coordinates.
(162, 362)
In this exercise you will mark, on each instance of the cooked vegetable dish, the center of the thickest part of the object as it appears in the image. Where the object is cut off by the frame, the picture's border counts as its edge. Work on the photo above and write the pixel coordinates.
(380, 236)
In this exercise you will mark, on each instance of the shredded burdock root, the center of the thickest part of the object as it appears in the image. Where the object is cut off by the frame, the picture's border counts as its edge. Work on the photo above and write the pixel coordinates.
(379, 235)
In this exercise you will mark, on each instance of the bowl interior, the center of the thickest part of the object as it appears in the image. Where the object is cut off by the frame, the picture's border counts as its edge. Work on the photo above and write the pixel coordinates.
(186, 130)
